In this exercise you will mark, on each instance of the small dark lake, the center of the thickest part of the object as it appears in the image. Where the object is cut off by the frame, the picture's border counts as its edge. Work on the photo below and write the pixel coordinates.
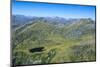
(38, 49)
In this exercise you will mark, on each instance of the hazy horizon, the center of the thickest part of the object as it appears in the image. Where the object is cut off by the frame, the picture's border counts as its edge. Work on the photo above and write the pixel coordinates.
(52, 17)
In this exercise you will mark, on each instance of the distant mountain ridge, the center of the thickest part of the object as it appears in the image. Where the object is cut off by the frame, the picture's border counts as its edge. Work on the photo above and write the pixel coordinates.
(18, 20)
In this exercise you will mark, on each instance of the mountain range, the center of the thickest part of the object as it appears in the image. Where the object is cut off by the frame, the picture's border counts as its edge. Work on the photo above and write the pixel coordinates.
(62, 40)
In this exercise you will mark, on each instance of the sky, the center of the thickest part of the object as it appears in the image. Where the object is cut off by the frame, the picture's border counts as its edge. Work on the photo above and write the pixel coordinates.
(51, 10)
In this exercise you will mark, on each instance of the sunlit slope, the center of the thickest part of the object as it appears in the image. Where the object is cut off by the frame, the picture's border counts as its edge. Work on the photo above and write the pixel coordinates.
(73, 42)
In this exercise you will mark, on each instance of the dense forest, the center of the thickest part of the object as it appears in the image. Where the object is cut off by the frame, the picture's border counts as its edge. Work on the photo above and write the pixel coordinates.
(43, 40)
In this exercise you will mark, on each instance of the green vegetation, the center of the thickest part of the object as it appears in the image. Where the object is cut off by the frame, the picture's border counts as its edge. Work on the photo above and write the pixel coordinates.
(70, 42)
